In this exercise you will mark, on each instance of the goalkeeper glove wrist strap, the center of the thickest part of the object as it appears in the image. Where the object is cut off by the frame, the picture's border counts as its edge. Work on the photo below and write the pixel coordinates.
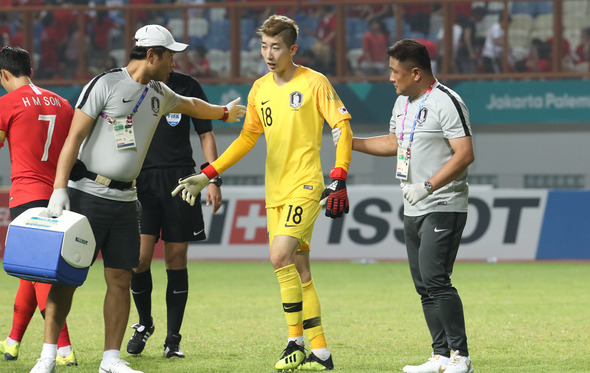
(338, 173)
(209, 170)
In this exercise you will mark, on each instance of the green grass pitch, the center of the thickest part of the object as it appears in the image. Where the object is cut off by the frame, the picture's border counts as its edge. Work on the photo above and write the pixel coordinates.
(521, 317)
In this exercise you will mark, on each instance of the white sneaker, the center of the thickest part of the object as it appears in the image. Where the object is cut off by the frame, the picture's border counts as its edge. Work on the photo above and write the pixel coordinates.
(436, 364)
(44, 365)
(459, 364)
(116, 366)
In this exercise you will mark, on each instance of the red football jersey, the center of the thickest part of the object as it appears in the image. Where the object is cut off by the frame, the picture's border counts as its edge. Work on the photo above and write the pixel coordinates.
(36, 122)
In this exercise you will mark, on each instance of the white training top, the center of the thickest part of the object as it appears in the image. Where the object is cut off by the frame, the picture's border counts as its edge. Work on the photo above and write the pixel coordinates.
(443, 116)
(115, 94)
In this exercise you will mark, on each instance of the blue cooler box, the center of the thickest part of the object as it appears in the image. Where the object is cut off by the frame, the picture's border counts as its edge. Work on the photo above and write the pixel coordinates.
(52, 250)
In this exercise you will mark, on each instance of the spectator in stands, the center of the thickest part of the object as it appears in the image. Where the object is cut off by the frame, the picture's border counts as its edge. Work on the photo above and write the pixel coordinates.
(371, 12)
(583, 49)
(440, 42)
(16, 40)
(467, 53)
(325, 46)
(200, 62)
(194, 12)
(418, 17)
(101, 31)
(568, 58)
(142, 16)
(375, 42)
(116, 15)
(49, 43)
(71, 52)
(538, 59)
(432, 49)
(493, 47)
(5, 28)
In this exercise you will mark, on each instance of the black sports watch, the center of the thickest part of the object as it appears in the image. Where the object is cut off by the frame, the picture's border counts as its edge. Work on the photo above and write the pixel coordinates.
(216, 181)
(428, 186)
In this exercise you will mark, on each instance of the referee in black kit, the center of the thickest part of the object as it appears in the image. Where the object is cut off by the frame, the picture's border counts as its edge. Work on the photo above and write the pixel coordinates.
(169, 158)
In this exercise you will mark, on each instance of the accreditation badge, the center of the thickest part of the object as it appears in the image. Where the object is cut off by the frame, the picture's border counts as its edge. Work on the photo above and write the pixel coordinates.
(403, 164)
(124, 135)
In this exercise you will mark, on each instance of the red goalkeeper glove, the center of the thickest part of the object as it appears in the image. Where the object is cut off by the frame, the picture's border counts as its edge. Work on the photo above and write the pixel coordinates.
(335, 196)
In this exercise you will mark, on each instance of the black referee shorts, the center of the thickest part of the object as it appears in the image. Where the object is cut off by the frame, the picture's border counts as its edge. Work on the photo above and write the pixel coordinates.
(174, 218)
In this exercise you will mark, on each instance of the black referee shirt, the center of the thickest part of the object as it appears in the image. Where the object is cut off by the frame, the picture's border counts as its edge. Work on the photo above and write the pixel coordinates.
(171, 146)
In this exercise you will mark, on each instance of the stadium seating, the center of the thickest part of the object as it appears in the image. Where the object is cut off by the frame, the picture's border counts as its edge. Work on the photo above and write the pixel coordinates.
(543, 22)
(219, 61)
(521, 22)
(120, 55)
(247, 31)
(176, 26)
(249, 62)
(519, 38)
(218, 41)
(355, 30)
(198, 27)
(575, 7)
(216, 14)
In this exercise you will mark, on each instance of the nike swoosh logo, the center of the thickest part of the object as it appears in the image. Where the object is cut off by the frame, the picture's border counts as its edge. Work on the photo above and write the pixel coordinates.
(199, 232)
(137, 292)
(106, 371)
(179, 291)
(126, 101)
(399, 115)
(264, 102)
(436, 230)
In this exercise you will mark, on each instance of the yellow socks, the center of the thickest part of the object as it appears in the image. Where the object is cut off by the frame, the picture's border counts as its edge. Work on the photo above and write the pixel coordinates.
(291, 295)
(312, 319)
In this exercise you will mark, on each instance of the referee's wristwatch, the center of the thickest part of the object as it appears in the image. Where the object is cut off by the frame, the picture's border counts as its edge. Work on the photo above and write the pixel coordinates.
(216, 181)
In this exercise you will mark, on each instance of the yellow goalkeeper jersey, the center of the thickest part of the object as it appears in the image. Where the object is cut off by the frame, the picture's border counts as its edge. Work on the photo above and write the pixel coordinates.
(291, 117)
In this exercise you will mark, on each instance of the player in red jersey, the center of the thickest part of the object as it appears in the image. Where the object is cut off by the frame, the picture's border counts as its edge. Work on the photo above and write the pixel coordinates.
(35, 122)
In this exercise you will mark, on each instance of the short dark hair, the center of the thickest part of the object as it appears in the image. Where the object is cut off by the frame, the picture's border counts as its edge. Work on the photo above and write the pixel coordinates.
(411, 54)
(16, 61)
(140, 53)
(282, 26)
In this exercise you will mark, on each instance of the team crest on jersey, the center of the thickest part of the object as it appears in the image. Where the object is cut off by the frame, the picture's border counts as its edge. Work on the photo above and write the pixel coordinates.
(155, 105)
(173, 119)
(296, 99)
(422, 116)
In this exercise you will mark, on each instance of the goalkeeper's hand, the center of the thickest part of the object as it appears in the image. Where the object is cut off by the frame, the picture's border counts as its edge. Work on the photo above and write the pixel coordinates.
(191, 186)
(414, 193)
(335, 196)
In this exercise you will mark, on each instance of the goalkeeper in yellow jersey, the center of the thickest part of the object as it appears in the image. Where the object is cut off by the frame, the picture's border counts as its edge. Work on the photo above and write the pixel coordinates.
(289, 105)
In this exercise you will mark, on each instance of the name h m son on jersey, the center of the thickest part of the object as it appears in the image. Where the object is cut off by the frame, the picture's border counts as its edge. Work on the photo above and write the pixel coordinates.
(43, 100)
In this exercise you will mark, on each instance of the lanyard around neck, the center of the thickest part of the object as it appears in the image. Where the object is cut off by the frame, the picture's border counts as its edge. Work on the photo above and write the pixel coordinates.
(401, 136)
(145, 91)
